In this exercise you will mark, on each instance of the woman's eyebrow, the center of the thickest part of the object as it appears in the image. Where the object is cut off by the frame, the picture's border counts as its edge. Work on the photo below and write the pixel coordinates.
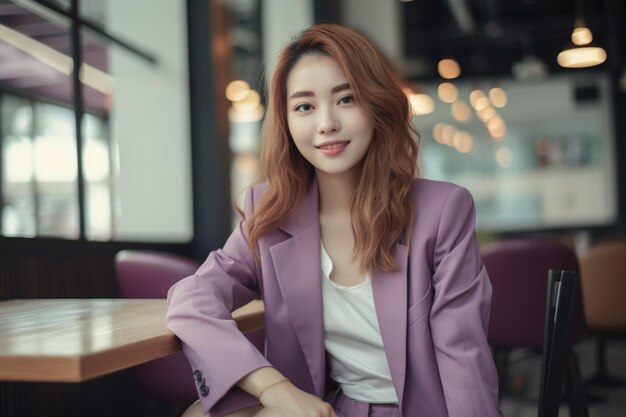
(340, 87)
(336, 89)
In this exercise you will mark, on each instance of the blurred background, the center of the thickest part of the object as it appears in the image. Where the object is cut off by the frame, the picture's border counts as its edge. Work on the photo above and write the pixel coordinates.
(134, 125)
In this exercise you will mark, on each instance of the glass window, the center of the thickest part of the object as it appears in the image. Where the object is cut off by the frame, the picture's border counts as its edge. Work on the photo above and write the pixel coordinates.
(134, 82)
(18, 208)
(56, 171)
(98, 179)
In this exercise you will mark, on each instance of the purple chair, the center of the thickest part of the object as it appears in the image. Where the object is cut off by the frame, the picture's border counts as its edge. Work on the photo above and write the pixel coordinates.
(148, 274)
(518, 270)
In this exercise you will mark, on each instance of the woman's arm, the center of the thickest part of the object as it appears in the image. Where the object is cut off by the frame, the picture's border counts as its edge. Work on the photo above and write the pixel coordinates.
(199, 313)
(281, 398)
(459, 317)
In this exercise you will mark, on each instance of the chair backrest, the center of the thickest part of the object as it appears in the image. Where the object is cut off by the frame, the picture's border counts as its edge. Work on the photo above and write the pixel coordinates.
(518, 271)
(562, 287)
(150, 274)
(603, 280)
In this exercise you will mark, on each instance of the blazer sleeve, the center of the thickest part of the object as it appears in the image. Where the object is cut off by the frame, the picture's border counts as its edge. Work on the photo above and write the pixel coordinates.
(459, 316)
(199, 313)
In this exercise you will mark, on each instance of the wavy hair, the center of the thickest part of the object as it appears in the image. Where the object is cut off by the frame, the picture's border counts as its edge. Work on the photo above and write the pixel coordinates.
(381, 213)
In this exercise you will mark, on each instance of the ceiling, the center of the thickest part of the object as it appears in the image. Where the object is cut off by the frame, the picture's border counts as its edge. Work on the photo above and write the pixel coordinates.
(488, 36)
(22, 73)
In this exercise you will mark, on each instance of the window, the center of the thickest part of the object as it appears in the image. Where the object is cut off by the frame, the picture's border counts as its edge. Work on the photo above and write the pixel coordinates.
(133, 178)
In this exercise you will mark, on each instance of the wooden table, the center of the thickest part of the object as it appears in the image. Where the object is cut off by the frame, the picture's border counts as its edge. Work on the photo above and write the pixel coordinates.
(74, 340)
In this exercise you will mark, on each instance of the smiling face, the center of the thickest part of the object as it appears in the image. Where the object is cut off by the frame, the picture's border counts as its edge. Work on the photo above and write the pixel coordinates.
(328, 127)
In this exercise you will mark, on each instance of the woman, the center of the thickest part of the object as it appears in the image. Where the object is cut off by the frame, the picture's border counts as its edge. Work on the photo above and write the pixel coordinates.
(376, 301)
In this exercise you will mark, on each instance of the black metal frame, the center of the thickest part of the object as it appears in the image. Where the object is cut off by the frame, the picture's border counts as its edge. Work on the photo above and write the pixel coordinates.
(561, 298)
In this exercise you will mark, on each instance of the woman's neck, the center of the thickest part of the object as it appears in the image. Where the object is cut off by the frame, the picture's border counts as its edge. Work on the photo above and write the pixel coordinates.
(335, 192)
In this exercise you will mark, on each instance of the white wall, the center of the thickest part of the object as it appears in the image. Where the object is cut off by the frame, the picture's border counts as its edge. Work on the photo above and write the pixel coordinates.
(281, 21)
(379, 20)
(150, 120)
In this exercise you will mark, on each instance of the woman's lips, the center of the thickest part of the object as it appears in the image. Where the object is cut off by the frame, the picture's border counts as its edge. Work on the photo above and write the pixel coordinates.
(333, 148)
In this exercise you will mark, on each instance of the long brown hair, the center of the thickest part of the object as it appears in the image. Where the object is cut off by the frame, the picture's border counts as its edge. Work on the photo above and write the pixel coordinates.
(381, 212)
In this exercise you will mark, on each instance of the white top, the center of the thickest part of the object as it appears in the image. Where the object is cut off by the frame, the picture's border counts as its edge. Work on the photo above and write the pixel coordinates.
(353, 341)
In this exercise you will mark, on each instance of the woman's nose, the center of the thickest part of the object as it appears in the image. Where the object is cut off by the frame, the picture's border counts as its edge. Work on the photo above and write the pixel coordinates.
(328, 122)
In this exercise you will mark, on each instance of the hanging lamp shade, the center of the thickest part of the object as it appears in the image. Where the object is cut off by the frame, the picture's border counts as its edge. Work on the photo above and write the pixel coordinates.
(581, 53)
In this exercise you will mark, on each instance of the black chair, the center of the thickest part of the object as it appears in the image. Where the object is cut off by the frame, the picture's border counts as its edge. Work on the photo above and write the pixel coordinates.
(562, 288)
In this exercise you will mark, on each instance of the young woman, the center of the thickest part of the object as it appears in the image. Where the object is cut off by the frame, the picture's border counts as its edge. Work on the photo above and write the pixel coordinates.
(376, 300)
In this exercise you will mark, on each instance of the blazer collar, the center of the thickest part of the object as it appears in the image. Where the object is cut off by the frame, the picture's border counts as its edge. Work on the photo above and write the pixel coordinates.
(390, 298)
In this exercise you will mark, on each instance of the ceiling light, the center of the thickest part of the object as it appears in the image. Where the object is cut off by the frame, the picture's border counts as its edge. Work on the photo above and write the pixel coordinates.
(449, 69)
(582, 34)
(581, 57)
(581, 53)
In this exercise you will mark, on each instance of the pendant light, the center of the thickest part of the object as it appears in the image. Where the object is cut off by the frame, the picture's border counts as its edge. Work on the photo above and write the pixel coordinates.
(581, 53)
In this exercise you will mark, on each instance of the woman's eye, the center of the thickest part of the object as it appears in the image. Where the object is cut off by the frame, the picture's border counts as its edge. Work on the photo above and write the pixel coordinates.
(303, 107)
(346, 100)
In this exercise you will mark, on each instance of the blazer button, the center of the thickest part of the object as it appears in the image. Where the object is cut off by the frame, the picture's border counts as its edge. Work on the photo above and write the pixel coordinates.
(204, 390)
(197, 376)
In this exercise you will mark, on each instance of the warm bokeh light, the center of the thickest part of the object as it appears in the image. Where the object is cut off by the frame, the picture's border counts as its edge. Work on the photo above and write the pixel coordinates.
(504, 157)
(438, 132)
(498, 97)
(486, 113)
(249, 102)
(495, 123)
(448, 134)
(474, 96)
(421, 104)
(496, 128)
(462, 141)
(237, 90)
(449, 69)
(447, 92)
(237, 116)
(481, 103)
(460, 111)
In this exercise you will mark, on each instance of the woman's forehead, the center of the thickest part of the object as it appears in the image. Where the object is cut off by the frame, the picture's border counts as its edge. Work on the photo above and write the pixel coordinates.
(315, 72)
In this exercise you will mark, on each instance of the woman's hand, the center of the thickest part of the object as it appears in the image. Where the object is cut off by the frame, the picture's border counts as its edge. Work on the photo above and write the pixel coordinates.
(286, 400)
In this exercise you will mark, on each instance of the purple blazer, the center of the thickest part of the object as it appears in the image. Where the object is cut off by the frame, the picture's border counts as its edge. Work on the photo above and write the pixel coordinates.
(433, 311)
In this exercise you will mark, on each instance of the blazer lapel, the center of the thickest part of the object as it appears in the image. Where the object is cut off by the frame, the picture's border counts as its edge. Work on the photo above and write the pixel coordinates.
(298, 269)
(390, 299)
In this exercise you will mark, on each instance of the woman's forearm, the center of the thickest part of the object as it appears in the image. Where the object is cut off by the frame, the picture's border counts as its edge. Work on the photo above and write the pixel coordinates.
(258, 380)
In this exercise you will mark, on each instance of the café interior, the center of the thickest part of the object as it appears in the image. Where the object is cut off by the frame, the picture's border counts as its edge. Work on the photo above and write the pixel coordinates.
(119, 178)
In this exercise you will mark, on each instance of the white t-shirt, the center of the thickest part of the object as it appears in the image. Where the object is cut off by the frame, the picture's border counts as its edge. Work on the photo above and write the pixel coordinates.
(353, 341)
